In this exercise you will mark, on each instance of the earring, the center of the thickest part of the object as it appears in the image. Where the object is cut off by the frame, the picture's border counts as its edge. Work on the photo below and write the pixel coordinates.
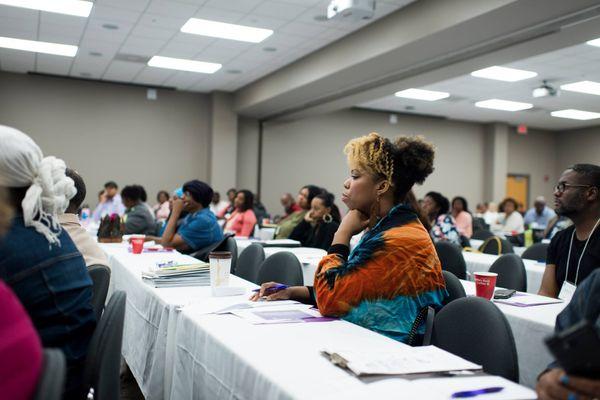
(327, 218)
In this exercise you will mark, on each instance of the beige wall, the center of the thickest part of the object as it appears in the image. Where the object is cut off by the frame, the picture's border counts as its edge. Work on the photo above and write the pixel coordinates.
(578, 146)
(109, 131)
(247, 154)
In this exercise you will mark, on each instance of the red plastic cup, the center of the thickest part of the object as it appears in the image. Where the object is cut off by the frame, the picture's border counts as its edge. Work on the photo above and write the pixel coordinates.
(137, 245)
(485, 283)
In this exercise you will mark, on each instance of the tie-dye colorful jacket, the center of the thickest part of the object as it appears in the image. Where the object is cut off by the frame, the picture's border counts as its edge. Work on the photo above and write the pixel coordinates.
(390, 275)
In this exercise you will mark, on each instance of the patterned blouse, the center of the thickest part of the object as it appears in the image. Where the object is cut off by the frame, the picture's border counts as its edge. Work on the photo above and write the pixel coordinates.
(390, 275)
(444, 229)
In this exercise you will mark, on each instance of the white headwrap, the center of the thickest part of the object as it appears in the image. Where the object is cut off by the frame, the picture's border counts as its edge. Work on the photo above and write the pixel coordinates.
(22, 164)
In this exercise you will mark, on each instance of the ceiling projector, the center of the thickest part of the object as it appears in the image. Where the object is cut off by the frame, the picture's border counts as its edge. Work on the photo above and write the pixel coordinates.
(546, 90)
(354, 10)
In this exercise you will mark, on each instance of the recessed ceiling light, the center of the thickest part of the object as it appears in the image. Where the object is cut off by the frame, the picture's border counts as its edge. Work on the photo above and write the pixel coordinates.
(503, 74)
(270, 49)
(38, 47)
(95, 54)
(69, 7)
(234, 71)
(595, 42)
(575, 114)
(504, 105)
(421, 94)
(112, 27)
(588, 87)
(223, 30)
(184, 65)
(320, 18)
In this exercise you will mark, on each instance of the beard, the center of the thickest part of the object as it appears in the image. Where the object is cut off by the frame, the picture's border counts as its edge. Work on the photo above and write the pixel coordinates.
(570, 208)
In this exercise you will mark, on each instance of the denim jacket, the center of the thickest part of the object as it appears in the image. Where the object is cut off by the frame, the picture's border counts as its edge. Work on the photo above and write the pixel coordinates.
(54, 286)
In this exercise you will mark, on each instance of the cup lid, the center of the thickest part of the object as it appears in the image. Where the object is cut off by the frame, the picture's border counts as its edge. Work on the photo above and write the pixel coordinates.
(485, 273)
(219, 254)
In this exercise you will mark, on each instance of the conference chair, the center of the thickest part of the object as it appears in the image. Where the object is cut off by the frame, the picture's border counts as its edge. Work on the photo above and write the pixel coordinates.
(282, 267)
(481, 234)
(425, 317)
(103, 361)
(451, 257)
(226, 244)
(496, 246)
(454, 287)
(100, 275)
(475, 329)
(248, 264)
(511, 272)
(51, 383)
(537, 251)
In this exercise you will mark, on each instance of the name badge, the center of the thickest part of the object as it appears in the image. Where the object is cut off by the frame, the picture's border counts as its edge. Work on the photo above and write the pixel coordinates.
(567, 291)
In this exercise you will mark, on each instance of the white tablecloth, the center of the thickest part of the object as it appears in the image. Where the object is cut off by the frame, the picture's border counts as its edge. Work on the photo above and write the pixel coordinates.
(530, 325)
(480, 262)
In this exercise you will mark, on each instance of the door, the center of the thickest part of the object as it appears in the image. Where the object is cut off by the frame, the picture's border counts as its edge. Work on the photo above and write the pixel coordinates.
(517, 187)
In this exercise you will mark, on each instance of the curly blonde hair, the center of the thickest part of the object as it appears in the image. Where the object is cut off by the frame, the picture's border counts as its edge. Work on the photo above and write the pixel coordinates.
(402, 163)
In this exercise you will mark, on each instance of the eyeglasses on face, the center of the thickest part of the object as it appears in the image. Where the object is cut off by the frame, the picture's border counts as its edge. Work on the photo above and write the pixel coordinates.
(562, 186)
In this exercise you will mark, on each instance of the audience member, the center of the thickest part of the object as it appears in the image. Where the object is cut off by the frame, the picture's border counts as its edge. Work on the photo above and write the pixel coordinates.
(512, 220)
(574, 252)
(110, 202)
(242, 219)
(462, 216)
(491, 215)
(260, 211)
(305, 197)
(480, 209)
(226, 212)
(217, 205)
(539, 216)
(162, 208)
(289, 205)
(38, 259)
(199, 228)
(554, 383)
(319, 224)
(144, 198)
(394, 271)
(443, 227)
(92, 254)
(138, 218)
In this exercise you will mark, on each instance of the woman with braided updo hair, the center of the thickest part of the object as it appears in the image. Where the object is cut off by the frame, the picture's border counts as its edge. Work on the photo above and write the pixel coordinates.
(394, 270)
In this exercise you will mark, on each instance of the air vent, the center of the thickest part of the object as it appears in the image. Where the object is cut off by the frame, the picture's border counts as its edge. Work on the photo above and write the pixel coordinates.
(133, 58)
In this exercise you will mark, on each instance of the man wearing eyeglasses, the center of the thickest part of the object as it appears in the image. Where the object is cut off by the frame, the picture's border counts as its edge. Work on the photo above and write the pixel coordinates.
(574, 253)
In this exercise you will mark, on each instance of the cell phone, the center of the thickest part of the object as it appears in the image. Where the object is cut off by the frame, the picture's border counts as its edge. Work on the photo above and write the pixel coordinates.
(577, 349)
(504, 293)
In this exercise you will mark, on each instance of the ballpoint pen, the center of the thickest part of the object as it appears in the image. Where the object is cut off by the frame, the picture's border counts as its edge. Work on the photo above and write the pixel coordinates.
(477, 392)
(275, 288)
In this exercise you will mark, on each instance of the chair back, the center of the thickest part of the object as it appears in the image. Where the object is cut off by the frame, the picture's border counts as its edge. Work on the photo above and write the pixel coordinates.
(51, 383)
(100, 275)
(282, 267)
(475, 329)
(511, 272)
(495, 245)
(453, 286)
(103, 361)
(202, 254)
(537, 252)
(481, 234)
(249, 262)
(451, 258)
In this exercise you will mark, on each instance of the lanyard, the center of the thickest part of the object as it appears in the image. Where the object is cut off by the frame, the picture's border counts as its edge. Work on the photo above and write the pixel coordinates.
(582, 252)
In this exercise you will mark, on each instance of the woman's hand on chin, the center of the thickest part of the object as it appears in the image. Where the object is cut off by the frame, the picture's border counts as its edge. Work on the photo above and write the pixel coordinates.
(354, 222)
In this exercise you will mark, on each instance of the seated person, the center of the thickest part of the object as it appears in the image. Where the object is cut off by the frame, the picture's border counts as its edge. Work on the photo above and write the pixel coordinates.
(69, 220)
(109, 202)
(199, 228)
(539, 216)
(575, 251)
(462, 217)
(242, 219)
(162, 208)
(226, 211)
(512, 220)
(554, 383)
(38, 259)
(394, 271)
(443, 226)
(138, 218)
(288, 223)
(217, 205)
(319, 224)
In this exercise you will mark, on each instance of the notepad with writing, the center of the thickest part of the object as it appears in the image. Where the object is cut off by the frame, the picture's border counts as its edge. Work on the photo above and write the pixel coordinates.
(401, 360)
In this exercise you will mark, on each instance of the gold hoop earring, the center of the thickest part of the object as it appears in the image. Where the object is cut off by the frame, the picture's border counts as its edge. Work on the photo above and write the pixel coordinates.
(327, 218)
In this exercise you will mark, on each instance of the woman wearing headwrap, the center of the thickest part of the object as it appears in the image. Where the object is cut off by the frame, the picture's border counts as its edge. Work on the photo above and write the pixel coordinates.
(38, 260)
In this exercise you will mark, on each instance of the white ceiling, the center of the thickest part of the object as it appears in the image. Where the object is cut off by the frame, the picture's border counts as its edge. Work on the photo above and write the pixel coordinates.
(151, 27)
(571, 64)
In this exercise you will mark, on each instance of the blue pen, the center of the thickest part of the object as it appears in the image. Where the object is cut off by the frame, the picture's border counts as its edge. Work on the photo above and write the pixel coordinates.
(275, 288)
(473, 393)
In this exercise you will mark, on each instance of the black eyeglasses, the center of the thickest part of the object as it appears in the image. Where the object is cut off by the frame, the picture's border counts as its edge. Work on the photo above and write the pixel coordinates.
(561, 187)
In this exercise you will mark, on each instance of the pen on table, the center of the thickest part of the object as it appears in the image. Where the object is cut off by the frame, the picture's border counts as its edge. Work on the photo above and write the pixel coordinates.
(275, 288)
(473, 393)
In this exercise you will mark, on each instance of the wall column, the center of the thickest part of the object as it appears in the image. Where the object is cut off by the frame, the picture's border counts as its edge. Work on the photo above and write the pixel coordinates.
(223, 142)
(495, 162)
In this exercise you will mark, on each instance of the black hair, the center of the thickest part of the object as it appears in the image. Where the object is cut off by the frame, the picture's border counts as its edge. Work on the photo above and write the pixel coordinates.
(508, 200)
(441, 201)
(231, 190)
(131, 192)
(162, 192)
(464, 201)
(111, 184)
(143, 194)
(412, 159)
(328, 200)
(201, 192)
(590, 172)
(76, 201)
(248, 199)
(312, 191)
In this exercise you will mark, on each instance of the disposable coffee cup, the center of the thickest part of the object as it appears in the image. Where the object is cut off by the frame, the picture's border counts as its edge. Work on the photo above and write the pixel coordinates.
(485, 283)
(220, 268)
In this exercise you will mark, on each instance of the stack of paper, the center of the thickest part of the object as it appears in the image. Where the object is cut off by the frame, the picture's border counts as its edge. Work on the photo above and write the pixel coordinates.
(197, 274)
(528, 300)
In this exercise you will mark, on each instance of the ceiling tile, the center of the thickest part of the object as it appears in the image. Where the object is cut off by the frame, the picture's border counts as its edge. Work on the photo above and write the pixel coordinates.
(302, 29)
(153, 76)
(274, 9)
(50, 64)
(122, 71)
(243, 6)
(217, 14)
(182, 50)
(16, 61)
(172, 8)
(110, 13)
(136, 5)
(18, 13)
(142, 46)
(162, 21)
(261, 21)
(153, 33)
